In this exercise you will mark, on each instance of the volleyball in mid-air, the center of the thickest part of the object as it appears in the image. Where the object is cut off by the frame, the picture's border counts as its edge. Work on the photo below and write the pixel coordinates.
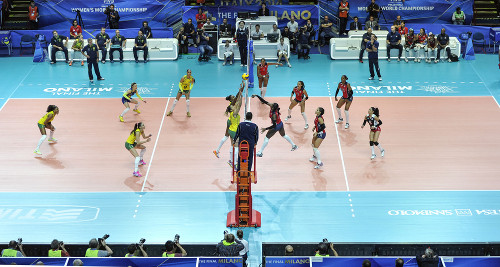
(244, 76)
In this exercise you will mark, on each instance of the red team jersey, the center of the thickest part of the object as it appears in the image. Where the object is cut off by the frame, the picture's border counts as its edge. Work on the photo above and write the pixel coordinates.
(422, 38)
(278, 119)
(432, 42)
(343, 88)
(299, 94)
(316, 124)
(263, 69)
(409, 39)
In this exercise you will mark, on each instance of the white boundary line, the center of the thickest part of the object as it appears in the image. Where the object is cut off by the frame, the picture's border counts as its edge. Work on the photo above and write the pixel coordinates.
(340, 191)
(157, 138)
(491, 93)
(25, 76)
(338, 138)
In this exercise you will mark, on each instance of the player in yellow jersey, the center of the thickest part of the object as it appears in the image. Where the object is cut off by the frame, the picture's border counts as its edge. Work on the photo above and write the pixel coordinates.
(185, 86)
(133, 142)
(232, 111)
(127, 98)
(46, 122)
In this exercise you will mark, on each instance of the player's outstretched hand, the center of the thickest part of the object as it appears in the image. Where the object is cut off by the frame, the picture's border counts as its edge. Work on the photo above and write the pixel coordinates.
(253, 96)
(336, 99)
(262, 130)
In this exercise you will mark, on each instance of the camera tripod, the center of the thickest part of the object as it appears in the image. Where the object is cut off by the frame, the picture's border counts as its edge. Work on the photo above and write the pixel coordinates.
(79, 19)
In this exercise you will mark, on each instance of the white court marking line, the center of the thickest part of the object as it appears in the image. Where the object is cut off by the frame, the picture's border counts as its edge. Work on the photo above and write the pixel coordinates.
(19, 85)
(491, 93)
(338, 138)
(157, 138)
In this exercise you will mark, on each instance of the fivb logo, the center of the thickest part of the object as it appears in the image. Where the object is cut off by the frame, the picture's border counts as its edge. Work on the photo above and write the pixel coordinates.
(47, 214)
(109, 2)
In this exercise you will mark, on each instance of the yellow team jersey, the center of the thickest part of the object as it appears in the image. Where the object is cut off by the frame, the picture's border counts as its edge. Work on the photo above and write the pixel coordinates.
(234, 122)
(43, 120)
(186, 85)
(131, 137)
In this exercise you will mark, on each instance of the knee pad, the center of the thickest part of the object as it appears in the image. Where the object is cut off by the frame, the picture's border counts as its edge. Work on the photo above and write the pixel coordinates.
(371, 143)
(187, 101)
(375, 143)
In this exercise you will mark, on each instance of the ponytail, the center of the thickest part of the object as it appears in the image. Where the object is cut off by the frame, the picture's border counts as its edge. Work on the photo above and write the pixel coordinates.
(51, 108)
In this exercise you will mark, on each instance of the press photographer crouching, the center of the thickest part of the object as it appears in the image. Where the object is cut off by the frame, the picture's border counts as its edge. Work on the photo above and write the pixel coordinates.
(323, 247)
(172, 248)
(12, 251)
(95, 245)
(137, 249)
(57, 249)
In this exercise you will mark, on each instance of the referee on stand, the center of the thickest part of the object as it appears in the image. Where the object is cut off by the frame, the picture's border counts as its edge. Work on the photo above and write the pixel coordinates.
(92, 57)
(247, 131)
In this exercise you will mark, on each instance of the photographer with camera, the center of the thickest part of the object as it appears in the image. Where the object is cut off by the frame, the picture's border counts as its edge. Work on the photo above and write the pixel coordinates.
(229, 247)
(113, 16)
(137, 249)
(322, 250)
(95, 244)
(12, 251)
(303, 46)
(57, 249)
(171, 248)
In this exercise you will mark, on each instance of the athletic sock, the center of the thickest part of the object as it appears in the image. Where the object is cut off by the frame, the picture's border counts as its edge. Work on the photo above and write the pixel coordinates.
(373, 150)
(264, 89)
(379, 147)
(40, 142)
(288, 139)
(260, 88)
(142, 153)
(346, 116)
(51, 134)
(137, 105)
(340, 113)
(266, 140)
(317, 154)
(173, 105)
(136, 163)
(187, 105)
(236, 152)
(222, 141)
(289, 112)
(124, 111)
(304, 116)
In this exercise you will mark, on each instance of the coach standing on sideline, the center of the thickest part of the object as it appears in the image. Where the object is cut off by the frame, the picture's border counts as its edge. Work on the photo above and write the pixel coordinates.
(372, 49)
(92, 57)
(247, 131)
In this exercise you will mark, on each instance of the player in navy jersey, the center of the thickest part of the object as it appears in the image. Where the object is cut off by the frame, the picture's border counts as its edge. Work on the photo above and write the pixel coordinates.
(300, 99)
(373, 119)
(277, 126)
(345, 99)
(319, 135)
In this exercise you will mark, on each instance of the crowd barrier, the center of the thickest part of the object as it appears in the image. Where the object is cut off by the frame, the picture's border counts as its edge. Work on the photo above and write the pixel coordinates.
(158, 49)
(130, 261)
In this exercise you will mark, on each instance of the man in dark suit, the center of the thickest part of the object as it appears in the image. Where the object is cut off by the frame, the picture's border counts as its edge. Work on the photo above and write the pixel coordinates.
(355, 25)
(248, 131)
(429, 259)
(263, 11)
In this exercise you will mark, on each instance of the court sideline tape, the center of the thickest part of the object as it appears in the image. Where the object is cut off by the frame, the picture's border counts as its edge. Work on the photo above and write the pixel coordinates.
(157, 138)
(25, 76)
(491, 93)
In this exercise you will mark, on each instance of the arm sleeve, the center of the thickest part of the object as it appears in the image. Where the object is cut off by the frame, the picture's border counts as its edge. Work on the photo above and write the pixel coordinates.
(19, 254)
(379, 122)
(336, 92)
(364, 121)
(102, 253)
(262, 100)
(125, 95)
(139, 96)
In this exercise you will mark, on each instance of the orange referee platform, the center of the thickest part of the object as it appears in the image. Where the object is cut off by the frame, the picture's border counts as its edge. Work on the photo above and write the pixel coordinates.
(244, 215)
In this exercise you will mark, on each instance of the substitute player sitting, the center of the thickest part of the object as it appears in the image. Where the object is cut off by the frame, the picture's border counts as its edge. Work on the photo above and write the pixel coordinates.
(185, 86)
(127, 98)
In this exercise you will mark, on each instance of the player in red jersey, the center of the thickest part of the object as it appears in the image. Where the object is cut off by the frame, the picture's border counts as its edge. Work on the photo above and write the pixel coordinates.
(319, 135)
(346, 98)
(373, 119)
(263, 75)
(410, 45)
(420, 43)
(431, 48)
(277, 126)
(300, 98)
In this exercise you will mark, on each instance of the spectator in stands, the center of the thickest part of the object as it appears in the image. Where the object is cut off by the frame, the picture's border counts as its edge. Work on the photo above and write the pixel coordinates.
(201, 18)
(429, 259)
(430, 49)
(420, 43)
(322, 250)
(183, 42)
(205, 49)
(326, 31)
(286, 33)
(372, 49)
(33, 16)
(57, 45)
(394, 41)
(397, 22)
(310, 30)
(209, 25)
(263, 11)
(140, 44)
(355, 25)
(303, 46)
(283, 52)
(403, 30)
(367, 263)
(77, 48)
(171, 250)
(225, 29)
(93, 250)
(365, 39)
(443, 43)
(189, 29)
(289, 251)
(293, 26)
(118, 42)
(228, 53)
(146, 30)
(75, 31)
(276, 30)
(373, 10)
(400, 262)
(77, 262)
(57, 249)
(244, 252)
(12, 251)
(458, 17)
(136, 250)
(372, 23)
(410, 44)
(241, 36)
(257, 34)
(229, 247)
(92, 56)
(102, 43)
(113, 16)
(343, 13)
